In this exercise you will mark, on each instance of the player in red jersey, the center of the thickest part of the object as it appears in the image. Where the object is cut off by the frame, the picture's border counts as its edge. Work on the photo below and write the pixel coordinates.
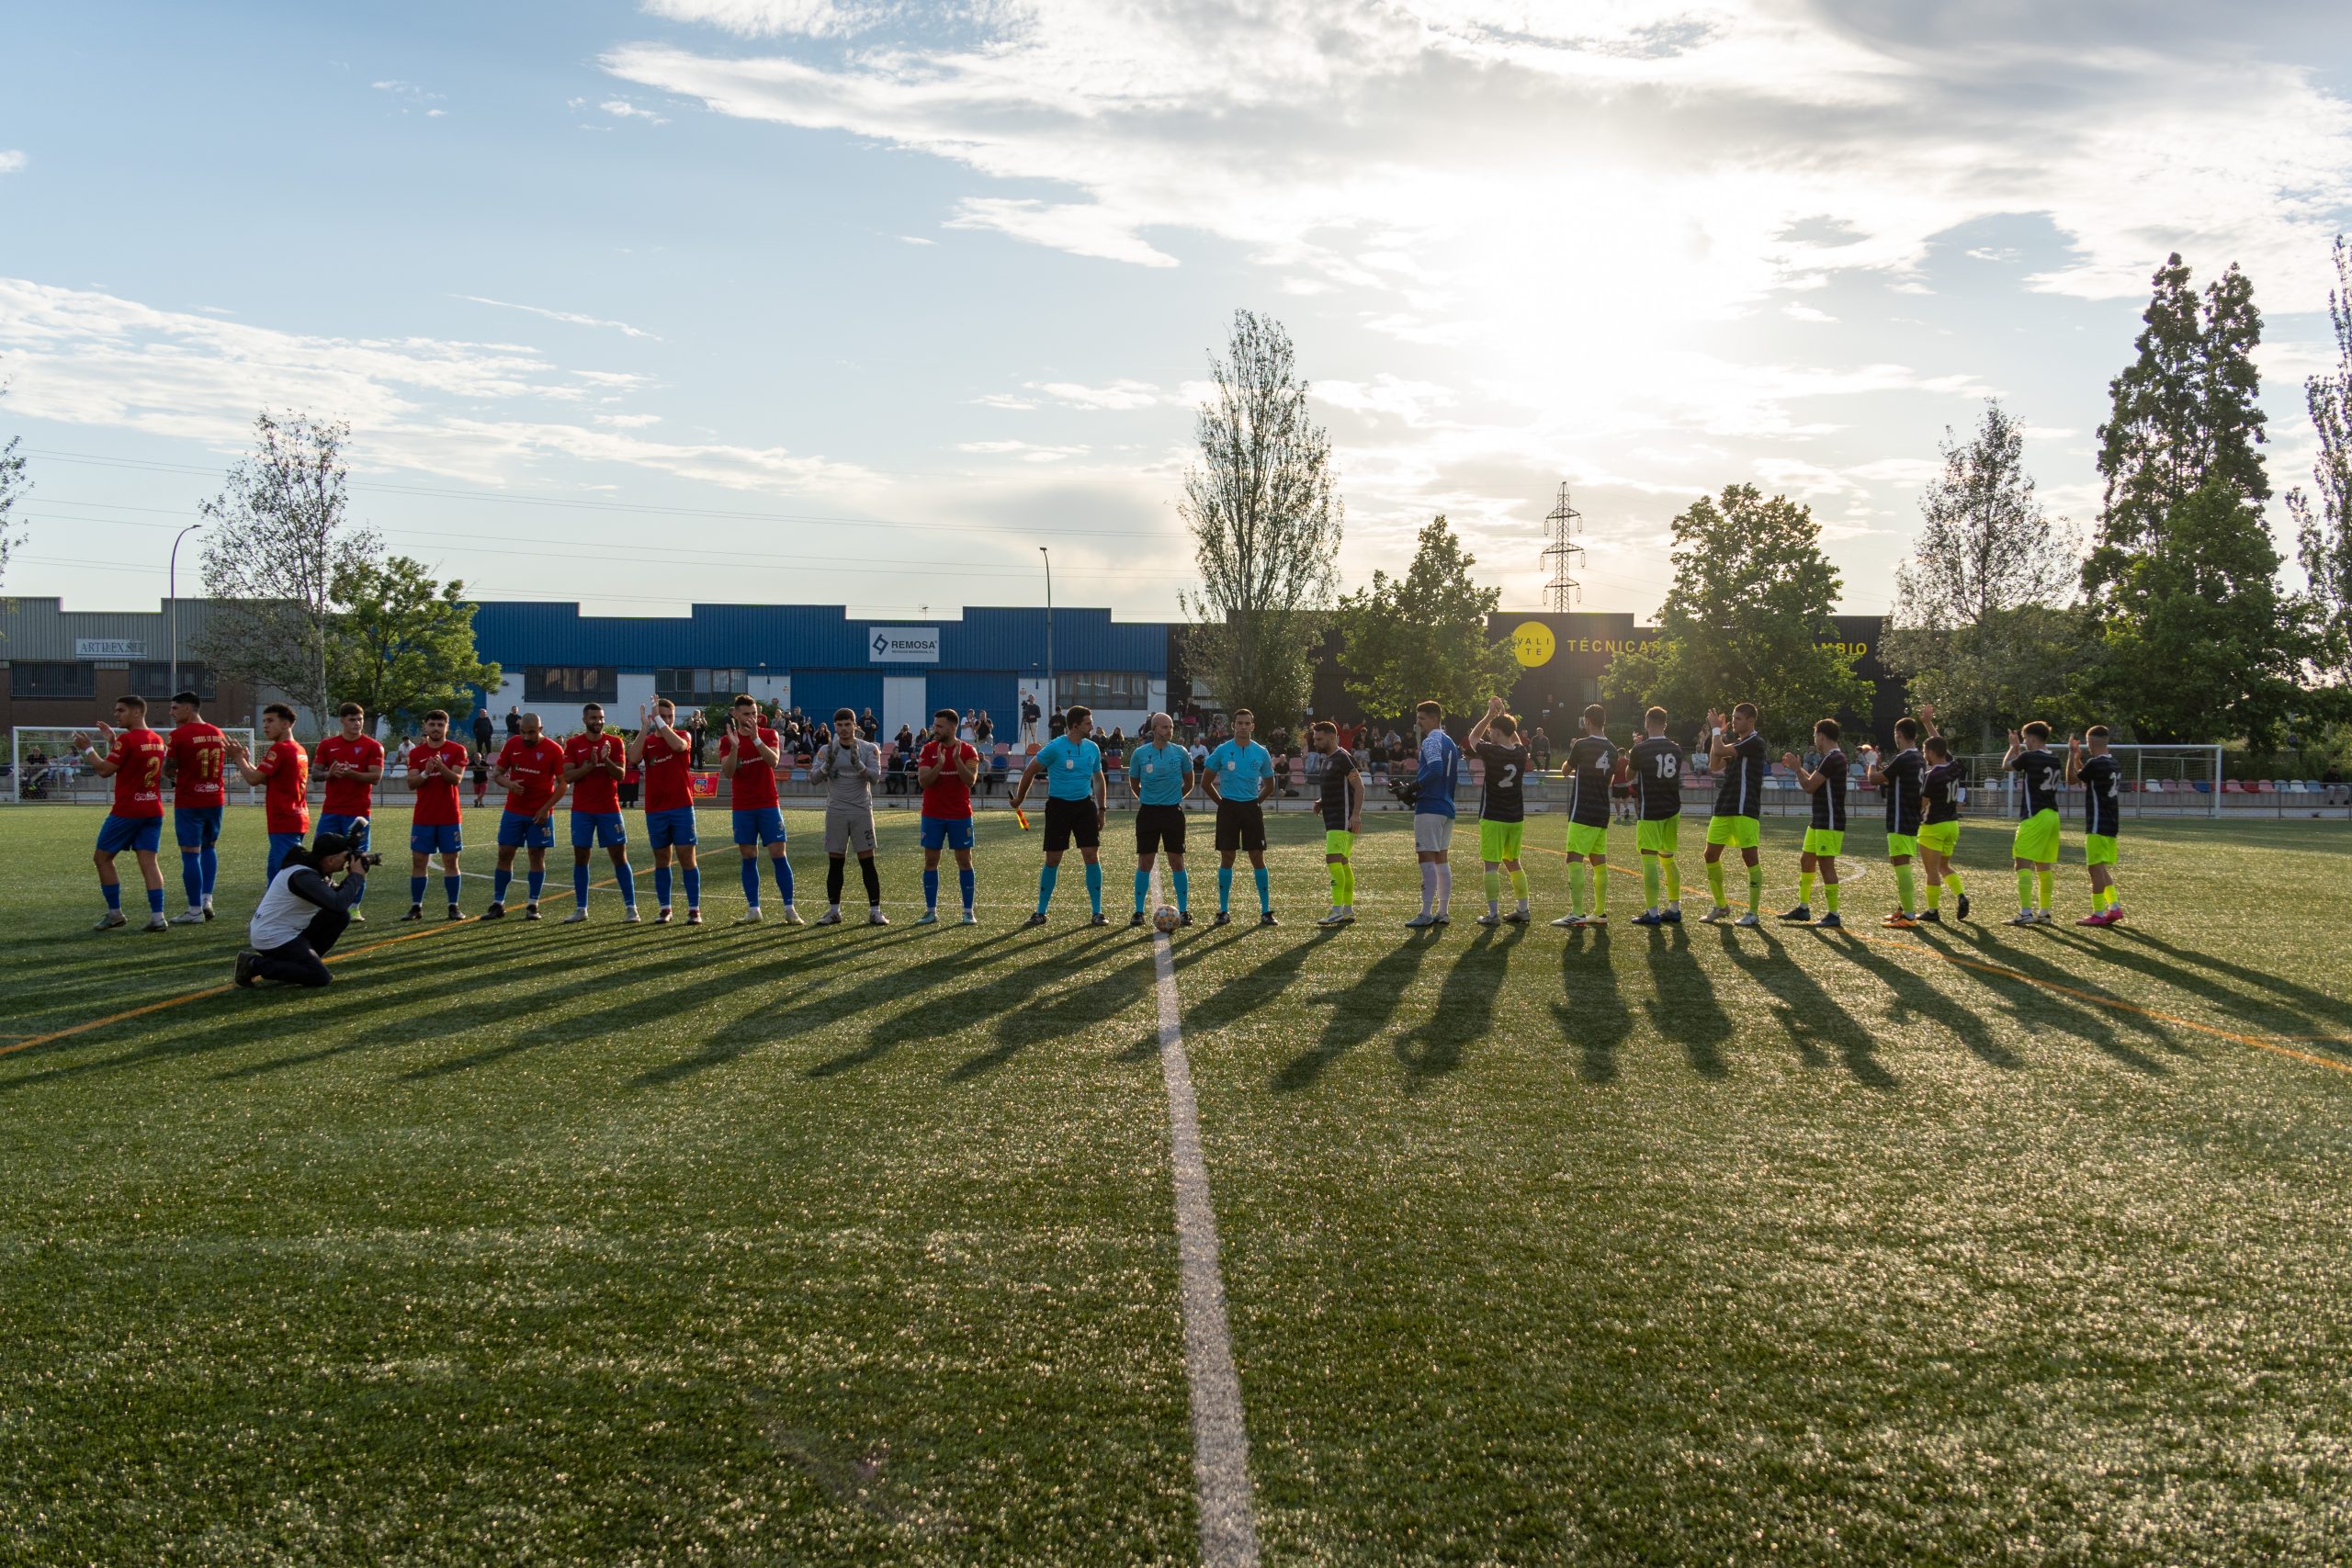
(197, 761)
(436, 770)
(945, 769)
(530, 770)
(352, 763)
(594, 763)
(284, 772)
(665, 755)
(134, 759)
(748, 754)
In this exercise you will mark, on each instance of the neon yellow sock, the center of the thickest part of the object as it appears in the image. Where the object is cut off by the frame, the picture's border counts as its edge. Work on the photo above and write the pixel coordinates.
(1829, 896)
(1754, 888)
(1494, 886)
(1804, 887)
(2025, 887)
(1601, 890)
(1935, 893)
(1338, 884)
(1649, 879)
(1348, 884)
(1904, 888)
(1715, 882)
(1519, 884)
(1952, 883)
(1576, 888)
(1673, 870)
(2045, 878)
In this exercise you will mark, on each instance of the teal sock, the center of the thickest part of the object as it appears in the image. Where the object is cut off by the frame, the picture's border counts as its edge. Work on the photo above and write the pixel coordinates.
(1265, 888)
(1183, 889)
(1095, 885)
(1224, 889)
(1143, 886)
(1047, 877)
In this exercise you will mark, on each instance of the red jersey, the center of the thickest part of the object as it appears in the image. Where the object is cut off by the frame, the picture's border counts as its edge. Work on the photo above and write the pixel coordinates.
(537, 768)
(287, 801)
(349, 797)
(138, 756)
(436, 798)
(596, 793)
(199, 756)
(948, 794)
(756, 775)
(666, 786)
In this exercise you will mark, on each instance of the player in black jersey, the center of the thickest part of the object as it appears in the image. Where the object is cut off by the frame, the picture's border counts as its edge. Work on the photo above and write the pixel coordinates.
(1826, 839)
(1591, 764)
(1342, 806)
(2034, 850)
(1502, 811)
(2102, 779)
(1899, 775)
(1940, 789)
(1655, 766)
(1740, 759)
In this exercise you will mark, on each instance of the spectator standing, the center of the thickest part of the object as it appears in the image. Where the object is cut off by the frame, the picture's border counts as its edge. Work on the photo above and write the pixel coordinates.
(1030, 714)
(983, 729)
(513, 721)
(485, 731)
(696, 725)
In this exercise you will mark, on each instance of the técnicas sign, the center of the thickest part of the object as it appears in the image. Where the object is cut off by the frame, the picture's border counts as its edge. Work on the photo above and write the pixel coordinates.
(902, 645)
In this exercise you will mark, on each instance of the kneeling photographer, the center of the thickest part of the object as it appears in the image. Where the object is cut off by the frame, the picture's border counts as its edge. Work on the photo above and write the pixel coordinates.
(304, 912)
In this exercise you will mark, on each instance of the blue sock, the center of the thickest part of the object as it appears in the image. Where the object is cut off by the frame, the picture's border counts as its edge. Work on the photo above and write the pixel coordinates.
(964, 880)
(580, 886)
(504, 879)
(211, 861)
(751, 883)
(931, 887)
(694, 887)
(1047, 877)
(192, 879)
(782, 864)
(113, 891)
(416, 890)
(154, 900)
(1143, 884)
(1183, 880)
(628, 875)
(1224, 889)
(449, 886)
(538, 878)
(1265, 887)
(661, 886)
(1095, 885)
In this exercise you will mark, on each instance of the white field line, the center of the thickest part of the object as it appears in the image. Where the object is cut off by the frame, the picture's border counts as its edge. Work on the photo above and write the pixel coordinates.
(1220, 1437)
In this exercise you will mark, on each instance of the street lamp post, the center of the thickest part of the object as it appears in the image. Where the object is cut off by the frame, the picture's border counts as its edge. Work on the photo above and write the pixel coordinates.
(171, 606)
(1053, 695)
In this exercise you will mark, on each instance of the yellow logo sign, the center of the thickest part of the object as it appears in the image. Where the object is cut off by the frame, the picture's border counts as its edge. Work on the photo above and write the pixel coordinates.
(1532, 642)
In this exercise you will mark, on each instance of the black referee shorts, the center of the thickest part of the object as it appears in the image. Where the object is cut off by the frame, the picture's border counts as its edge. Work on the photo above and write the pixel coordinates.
(1071, 819)
(1160, 825)
(1241, 825)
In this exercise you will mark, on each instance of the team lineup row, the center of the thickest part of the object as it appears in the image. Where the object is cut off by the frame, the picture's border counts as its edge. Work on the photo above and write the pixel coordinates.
(1922, 780)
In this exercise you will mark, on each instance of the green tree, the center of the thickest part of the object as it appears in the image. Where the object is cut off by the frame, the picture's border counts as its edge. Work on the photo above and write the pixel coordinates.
(2323, 526)
(2031, 662)
(1265, 509)
(1747, 620)
(2202, 644)
(400, 644)
(1424, 634)
(13, 486)
(2184, 414)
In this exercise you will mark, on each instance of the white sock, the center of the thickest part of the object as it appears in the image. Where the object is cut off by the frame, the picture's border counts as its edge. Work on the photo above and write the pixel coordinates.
(1444, 886)
(1429, 885)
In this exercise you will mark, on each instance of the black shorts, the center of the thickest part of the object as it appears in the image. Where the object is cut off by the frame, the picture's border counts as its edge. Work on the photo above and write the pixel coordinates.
(1160, 825)
(1241, 826)
(1068, 819)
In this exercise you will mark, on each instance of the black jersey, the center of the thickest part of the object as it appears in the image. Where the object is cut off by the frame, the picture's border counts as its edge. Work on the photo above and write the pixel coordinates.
(2040, 773)
(1940, 791)
(1338, 768)
(1741, 793)
(2102, 781)
(1830, 800)
(1658, 777)
(1902, 773)
(1505, 797)
(1591, 759)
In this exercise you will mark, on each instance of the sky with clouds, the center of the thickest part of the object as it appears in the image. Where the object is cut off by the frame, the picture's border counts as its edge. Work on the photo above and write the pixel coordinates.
(864, 300)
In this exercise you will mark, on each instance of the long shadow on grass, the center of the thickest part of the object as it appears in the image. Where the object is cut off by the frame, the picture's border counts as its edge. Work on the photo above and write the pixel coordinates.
(911, 1020)
(1465, 1005)
(2041, 1006)
(1594, 1018)
(2271, 997)
(1918, 1003)
(1243, 993)
(1806, 1010)
(1360, 1011)
(1684, 1007)
(1058, 1013)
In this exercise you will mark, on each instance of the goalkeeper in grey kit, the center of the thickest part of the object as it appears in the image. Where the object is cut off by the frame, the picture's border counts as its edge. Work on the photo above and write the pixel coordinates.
(849, 765)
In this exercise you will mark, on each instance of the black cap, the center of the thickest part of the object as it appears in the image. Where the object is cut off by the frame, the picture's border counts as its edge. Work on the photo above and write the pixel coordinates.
(327, 844)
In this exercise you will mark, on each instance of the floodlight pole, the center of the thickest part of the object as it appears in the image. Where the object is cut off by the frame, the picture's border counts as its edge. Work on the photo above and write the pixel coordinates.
(1053, 695)
(171, 606)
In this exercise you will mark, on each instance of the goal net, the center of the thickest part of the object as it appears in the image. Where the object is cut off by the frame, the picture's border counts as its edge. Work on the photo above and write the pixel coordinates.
(43, 766)
(2155, 781)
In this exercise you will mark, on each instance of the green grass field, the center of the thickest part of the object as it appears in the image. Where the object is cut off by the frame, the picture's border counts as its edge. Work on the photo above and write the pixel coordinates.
(534, 1244)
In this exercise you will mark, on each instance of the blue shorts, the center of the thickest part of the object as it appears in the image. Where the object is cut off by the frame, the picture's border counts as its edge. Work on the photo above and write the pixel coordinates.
(520, 830)
(436, 837)
(337, 822)
(949, 832)
(117, 834)
(759, 825)
(196, 827)
(598, 830)
(280, 846)
(663, 828)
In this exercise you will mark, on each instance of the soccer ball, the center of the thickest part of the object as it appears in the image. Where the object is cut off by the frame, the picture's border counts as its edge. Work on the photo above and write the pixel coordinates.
(1165, 918)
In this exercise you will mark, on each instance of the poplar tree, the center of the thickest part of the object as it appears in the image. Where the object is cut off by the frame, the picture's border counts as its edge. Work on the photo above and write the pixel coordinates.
(2324, 518)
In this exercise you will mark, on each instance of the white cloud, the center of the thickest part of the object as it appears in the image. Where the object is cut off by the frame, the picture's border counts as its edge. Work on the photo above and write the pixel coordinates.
(1080, 228)
(412, 97)
(1797, 313)
(628, 421)
(12, 161)
(768, 19)
(571, 317)
(1027, 451)
(915, 240)
(621, 108)
(1412, 402)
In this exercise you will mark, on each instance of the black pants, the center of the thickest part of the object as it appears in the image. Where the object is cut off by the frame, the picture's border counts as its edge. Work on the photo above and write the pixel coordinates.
(303, 960)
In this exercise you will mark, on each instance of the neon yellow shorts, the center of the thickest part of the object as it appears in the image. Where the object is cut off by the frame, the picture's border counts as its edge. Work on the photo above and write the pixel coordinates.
(2037, 838)
(1587, 839)
(1338, 842)
(1740, 832)
(1657, 835)
(2099, 849)
(1900, 844)
(1830, 841)
(1940, 836)
(1501, 840)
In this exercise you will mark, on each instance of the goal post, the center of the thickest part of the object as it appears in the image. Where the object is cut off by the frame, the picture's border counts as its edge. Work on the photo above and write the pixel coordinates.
(2158, 781)
(44, 769)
